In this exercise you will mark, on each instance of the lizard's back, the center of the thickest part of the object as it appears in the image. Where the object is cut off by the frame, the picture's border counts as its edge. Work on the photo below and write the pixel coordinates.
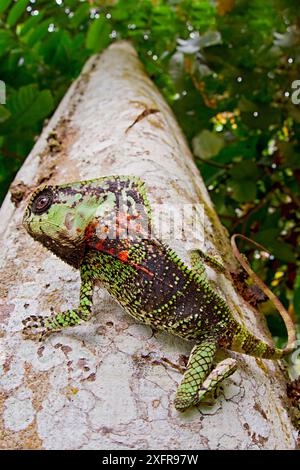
(157, 288)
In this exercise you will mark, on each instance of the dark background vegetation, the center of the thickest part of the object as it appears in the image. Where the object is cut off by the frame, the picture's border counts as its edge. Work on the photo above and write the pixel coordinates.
(226, 67)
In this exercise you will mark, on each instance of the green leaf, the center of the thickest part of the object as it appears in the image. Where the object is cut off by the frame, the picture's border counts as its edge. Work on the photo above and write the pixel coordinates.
(207, 144)
(243, 190)
(80, 14)
(270, 239)
(290, 154)
(30, 23)
(266, 237)
(243, 181)
(294, 112)
(98, 34)
(4, 4)
(4, 113)
(38, 33)
(296, 300)
(244, 170)
(16, 11)
(282, 251)
(6, 41)
(246, 105)
(41, 107)
(29, 105)
(58, 49)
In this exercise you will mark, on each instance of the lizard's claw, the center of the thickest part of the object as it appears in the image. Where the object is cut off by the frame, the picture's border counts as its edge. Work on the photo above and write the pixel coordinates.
(37, 327)
(180, 369)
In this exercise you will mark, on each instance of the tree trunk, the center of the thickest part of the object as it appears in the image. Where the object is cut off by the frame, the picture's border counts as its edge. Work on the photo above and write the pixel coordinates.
(102, 385)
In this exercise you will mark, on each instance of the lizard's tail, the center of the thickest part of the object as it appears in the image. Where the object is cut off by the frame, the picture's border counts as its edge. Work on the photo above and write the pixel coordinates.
(245, 342)
(259, 347)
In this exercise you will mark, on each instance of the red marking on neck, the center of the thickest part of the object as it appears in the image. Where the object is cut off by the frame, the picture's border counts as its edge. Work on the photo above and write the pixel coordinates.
(100, 245)
(117, 251)
(123, 255)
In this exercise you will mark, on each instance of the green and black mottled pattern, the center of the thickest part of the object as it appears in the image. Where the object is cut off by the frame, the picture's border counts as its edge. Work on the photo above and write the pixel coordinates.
(145, 276)
(174, 298)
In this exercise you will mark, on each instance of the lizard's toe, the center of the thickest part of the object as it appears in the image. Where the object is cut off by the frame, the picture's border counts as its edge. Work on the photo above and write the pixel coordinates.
(33, 320)
(35, 333)
(35, 327)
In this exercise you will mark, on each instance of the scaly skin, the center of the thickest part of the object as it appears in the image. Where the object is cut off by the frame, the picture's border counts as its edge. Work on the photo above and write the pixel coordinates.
(102, 227)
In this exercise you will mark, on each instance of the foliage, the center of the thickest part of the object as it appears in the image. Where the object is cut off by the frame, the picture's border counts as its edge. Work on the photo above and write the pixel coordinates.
(225, 66)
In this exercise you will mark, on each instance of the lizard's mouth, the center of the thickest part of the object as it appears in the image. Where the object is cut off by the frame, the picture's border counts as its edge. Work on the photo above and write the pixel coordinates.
(33, 227)
(70, 251)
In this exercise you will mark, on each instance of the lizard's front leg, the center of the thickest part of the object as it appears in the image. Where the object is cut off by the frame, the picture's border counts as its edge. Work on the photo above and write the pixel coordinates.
(198, 260)
(38, 327)
(197, 265)
(199, 379)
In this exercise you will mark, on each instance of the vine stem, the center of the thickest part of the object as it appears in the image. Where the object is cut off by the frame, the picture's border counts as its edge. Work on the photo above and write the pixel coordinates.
(276, 302)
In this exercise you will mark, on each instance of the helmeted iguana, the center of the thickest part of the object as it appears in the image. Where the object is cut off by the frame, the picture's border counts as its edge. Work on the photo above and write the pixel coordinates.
(103, 228)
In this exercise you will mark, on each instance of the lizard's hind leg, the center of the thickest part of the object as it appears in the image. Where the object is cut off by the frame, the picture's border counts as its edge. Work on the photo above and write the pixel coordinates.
(199, 378)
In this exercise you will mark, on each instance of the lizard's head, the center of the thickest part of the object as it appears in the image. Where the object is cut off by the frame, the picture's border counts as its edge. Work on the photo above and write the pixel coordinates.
(57, 217)
(61, 217)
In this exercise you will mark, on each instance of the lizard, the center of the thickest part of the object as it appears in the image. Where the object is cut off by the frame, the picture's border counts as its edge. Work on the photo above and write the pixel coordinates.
(103, 227)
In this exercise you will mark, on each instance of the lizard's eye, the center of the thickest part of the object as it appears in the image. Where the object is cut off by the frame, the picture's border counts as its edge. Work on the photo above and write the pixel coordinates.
(42, 202)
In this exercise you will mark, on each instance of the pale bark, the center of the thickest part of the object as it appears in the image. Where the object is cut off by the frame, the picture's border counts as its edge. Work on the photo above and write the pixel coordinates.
(100, 385)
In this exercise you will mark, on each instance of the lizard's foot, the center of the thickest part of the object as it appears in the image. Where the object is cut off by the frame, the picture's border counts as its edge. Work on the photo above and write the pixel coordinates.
(38, 328)
(185, 397)
(200, 378)
(212, 383)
